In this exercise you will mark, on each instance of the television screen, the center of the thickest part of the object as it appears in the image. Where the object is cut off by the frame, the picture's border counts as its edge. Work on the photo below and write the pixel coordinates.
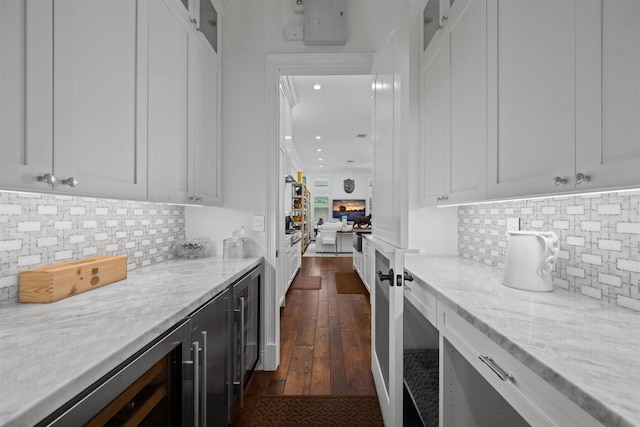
(351, 208)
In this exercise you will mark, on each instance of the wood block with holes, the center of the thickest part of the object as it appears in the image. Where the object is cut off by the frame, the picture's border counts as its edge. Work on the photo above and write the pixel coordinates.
(55, 282)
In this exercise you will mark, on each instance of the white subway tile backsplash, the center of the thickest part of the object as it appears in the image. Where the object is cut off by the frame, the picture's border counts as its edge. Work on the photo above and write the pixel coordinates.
(47, 210)
(93, 250)
(29, 260)
(10, 245)
(575, 272)
(77, 210)
(42, 229)
(633, 304)
(610, 245)
(575, 210)
(10, 209)
(63, 255)
(575, 241)
(590, 225)
(591, 292)
(612, 209)
(27, 226)
(592, 259)
(628, 227)
(609, 279)
(599, 240)
(628, 265)
(63, 225)
(47, 241)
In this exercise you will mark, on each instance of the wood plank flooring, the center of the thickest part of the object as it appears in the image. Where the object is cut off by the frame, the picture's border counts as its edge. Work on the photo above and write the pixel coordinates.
(325, 341)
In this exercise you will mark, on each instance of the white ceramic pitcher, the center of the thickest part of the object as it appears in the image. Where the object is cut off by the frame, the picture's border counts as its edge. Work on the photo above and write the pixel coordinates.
(531, 256)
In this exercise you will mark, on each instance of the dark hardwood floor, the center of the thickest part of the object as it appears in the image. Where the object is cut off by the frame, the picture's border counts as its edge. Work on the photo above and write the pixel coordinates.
(325, 341)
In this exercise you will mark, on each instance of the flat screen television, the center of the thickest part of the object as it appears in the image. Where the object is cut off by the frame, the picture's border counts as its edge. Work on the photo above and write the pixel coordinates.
(351, 208)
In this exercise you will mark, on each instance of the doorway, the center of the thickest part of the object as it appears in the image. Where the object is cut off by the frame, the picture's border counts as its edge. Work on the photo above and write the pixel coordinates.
(276, 67)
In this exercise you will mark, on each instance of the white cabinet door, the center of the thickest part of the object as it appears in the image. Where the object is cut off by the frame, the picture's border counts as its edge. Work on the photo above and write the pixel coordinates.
(206, 125)
(26, 69)
(454, 100)
(169, 134)
(100, 97)
(608, 97)
(465, 38)
(531, 69)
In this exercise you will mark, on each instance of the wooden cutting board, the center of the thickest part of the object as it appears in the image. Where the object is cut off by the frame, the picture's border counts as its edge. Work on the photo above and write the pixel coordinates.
(55, 282)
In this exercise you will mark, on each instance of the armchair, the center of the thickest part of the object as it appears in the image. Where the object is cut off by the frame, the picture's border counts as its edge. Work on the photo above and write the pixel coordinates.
(327, 237)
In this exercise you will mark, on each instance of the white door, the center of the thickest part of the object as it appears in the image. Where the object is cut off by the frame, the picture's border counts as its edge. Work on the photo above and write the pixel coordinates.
(389, 225)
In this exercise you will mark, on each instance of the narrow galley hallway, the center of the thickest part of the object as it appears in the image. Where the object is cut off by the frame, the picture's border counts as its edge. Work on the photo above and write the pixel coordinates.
(325, 352)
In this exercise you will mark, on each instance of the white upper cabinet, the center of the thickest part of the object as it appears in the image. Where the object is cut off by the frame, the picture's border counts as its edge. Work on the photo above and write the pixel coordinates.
(184, 109)
(26, 70)
(564, 96)
(72, 116)
(608, 94)
(99, 87)
(454, 99)
(531, 60)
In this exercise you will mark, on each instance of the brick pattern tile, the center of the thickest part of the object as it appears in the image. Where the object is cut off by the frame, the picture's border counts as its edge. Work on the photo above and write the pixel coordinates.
(44, 229)
(599, 240)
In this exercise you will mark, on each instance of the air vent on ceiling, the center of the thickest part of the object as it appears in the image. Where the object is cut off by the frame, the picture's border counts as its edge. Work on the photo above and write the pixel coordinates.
(351, 161)
(361, 135)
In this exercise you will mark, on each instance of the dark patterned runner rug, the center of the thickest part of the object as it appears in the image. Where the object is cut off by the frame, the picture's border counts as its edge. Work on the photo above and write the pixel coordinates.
(320, 411)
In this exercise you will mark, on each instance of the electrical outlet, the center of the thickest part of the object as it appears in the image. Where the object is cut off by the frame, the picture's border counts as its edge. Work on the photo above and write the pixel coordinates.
(513, 224)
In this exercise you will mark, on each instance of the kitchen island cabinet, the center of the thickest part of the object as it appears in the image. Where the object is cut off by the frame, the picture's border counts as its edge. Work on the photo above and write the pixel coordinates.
(52, 352)
(548, 358)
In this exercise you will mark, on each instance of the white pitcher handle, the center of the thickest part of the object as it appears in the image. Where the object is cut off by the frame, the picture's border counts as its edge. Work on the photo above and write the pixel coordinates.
(551, 251)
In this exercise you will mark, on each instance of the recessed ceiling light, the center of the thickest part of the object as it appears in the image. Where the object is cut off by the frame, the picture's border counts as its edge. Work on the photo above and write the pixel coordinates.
(318, 137)
(287, 137)
(319, 150)
(320, 159)
(321, 166)
(317, 86)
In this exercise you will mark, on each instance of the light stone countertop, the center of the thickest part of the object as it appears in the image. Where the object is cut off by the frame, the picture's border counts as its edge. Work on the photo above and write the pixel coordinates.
(51, 352)
(587, 350)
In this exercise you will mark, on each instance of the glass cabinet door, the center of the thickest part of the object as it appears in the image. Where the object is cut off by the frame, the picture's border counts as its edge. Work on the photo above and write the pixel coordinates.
(431, 21)
(209, 23)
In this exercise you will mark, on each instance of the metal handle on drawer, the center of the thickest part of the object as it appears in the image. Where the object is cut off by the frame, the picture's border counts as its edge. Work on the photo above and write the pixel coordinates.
(504, 375)
(204, 378)
(241, 351)
(195, 347)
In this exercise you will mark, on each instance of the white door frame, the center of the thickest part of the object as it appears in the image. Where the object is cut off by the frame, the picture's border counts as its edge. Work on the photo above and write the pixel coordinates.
(275, 66)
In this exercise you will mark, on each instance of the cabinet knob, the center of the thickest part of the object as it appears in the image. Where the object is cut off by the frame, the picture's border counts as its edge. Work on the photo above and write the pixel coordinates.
(580, 178)
(71, 182)
(558, 181)
(47, 178)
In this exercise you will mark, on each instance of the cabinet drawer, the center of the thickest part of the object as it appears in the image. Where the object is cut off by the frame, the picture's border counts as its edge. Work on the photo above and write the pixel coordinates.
(423, 299)
(538, 402)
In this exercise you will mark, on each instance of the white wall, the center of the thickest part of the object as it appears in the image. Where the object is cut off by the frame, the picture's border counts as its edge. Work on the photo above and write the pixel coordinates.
(336, 186)
(252, 29)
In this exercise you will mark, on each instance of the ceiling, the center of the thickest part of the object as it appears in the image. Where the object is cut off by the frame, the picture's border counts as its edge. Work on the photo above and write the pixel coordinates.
(338, 112)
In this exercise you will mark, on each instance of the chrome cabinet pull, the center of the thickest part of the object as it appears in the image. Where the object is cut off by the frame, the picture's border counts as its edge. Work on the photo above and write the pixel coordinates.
(580, 178)
(71, 182)
(504, 375)
(196, 384)
(558, 181)
(47, 178)
(204, 378)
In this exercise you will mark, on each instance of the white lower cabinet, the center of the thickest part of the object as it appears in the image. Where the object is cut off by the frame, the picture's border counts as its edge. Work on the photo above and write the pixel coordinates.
(480, 383)
(488, 386)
